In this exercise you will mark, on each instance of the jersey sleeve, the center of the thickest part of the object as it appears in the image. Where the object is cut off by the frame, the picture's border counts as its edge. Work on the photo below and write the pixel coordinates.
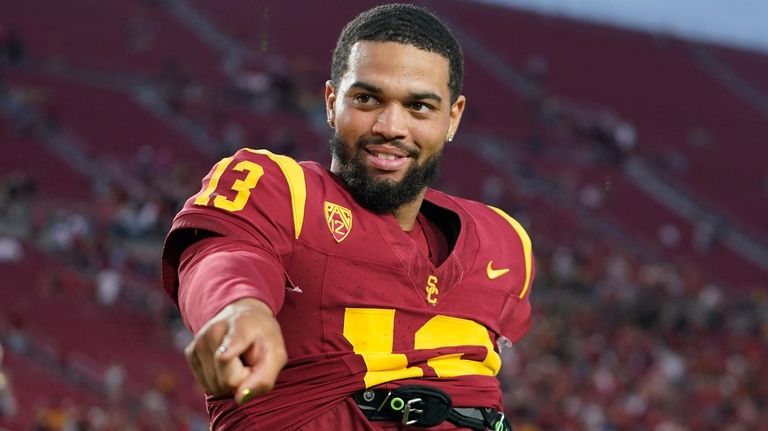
(216, 271)
(514, 320)
(254, 196)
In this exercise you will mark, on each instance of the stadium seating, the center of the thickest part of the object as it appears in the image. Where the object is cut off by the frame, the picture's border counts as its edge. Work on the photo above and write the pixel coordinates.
(121, 37)
(53, 177)
(109, 123)
(621, 70)
(539, 170)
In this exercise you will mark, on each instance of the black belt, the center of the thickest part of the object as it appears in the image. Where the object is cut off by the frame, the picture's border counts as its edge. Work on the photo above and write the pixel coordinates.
(424, 406)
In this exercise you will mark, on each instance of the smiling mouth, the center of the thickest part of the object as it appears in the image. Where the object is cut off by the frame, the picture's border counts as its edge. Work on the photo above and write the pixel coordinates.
(385, 156)
(386, 159)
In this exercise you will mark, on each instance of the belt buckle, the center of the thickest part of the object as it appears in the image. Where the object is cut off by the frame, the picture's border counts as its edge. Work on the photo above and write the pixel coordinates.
(410, 408)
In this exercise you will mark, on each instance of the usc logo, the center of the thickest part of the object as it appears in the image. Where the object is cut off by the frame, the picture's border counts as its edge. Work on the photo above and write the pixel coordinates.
(432, 289)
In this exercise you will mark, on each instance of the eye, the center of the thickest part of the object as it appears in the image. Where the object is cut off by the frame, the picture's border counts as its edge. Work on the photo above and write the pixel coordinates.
(365, 99)
(421, 107)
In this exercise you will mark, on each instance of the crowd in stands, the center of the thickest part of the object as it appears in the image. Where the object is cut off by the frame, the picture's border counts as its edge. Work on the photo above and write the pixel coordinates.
(92, 261)
(619, 340)
(625, 343)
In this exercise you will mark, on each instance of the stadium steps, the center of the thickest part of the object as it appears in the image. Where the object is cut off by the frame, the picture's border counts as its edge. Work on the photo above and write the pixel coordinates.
(731, 79)
(109, 123)
(566, 47)
(749, 66)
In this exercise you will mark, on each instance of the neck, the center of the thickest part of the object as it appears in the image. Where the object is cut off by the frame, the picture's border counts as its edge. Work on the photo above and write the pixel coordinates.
(406, 213)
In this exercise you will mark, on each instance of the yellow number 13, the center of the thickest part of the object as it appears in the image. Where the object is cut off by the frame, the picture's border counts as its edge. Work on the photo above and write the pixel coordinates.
(242, 187)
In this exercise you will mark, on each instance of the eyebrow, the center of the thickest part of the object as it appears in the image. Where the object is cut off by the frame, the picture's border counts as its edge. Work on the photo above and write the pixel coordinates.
(414, 96)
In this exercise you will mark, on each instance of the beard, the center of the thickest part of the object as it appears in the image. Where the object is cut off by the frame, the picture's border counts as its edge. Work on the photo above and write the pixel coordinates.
(382, 196)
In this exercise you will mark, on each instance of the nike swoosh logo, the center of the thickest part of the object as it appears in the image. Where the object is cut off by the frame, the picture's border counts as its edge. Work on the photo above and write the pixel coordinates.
(495, 273)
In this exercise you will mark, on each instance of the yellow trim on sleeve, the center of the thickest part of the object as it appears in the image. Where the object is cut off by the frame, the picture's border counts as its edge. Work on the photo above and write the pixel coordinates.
(526, 240)
(297, 185)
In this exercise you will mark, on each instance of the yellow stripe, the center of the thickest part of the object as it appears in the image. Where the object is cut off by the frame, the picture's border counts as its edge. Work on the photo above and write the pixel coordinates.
(526, 247)
(296, 185)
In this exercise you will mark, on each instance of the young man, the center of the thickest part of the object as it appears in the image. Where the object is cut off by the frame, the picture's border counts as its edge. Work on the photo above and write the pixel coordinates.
(355, 298)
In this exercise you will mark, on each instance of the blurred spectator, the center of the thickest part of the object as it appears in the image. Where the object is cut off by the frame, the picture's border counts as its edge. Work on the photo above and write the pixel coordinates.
(12, 46)
(17, 194)
(590, 196)
(16, 339)
(670, 235)
(8, 406)
(705, 233)
(60, 415)
(114, 378)
(10, 250)
(108, 285)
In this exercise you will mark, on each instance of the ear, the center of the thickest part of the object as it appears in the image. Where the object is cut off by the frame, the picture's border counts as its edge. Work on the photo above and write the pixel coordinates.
(330, 100)
(457, 109)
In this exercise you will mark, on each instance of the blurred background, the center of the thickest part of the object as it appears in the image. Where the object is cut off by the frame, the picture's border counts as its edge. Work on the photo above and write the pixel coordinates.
(636, 158)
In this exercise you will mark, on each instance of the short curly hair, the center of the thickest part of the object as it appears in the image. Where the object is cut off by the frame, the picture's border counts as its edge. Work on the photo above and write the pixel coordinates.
(403, 23)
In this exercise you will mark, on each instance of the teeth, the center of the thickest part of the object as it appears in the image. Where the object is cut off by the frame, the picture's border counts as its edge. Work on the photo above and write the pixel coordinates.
(385, 156)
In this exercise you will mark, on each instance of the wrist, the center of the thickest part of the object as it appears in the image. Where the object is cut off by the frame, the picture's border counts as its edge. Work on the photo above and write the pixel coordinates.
(246, 305)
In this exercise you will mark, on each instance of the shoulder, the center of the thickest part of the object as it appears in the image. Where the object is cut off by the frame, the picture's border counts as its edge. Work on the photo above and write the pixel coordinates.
(484, 217)
(501, 237)
(253, 187)
(256, 196)
(233, 180)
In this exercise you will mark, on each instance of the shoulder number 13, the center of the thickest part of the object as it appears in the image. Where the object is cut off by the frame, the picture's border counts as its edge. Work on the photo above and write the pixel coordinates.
(242, 187)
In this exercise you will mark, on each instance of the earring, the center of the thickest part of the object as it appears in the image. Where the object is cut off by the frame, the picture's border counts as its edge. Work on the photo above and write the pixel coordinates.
(450, 138)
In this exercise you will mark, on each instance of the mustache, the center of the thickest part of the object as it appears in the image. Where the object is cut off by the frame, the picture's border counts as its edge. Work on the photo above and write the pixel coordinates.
(379, 140)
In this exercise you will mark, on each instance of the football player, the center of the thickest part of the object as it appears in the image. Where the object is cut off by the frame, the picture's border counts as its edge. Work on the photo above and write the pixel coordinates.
(355, 298)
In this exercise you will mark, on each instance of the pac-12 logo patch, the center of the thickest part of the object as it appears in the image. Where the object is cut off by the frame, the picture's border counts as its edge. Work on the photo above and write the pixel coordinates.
(339, 220)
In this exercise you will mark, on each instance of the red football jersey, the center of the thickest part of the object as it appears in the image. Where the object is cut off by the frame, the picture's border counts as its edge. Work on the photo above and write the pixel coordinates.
(361, 305)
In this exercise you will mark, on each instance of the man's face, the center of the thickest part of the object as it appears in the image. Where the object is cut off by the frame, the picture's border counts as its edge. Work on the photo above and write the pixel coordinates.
(392, 115)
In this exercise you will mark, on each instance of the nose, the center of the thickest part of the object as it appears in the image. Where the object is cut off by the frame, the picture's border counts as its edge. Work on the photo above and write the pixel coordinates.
(391, 123)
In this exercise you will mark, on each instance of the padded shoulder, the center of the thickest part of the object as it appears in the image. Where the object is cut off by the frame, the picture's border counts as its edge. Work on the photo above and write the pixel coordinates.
(255, 181)
(254, 195)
